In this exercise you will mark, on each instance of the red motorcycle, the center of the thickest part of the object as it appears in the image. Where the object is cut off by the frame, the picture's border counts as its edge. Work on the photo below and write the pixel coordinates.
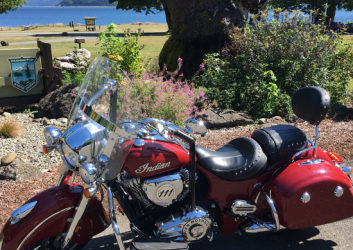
(172, 191)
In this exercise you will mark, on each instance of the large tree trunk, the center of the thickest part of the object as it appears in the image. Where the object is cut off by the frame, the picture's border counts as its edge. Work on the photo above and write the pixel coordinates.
(199, 27)
(331, 11)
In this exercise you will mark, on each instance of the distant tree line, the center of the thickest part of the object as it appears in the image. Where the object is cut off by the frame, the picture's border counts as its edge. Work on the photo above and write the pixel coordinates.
(85, 3)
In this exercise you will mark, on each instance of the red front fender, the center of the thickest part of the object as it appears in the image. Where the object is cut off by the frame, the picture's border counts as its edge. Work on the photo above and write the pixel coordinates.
(50, 218)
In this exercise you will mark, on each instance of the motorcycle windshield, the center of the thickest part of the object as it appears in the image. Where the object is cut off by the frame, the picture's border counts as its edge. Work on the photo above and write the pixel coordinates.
(108, 99)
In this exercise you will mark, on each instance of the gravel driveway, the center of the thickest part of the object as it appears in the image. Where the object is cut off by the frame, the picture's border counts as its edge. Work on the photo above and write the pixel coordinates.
(331, 236)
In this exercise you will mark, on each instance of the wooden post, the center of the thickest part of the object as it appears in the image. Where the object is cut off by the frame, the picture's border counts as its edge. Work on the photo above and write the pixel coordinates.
(52, 75)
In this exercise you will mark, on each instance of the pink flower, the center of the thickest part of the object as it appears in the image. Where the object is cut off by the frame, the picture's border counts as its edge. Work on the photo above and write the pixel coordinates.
(202, 65)
(180, 60)
(181, 75)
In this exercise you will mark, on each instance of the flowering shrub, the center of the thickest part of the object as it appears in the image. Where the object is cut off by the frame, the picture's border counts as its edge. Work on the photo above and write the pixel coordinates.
(297, 53)
(126, 52)
(166, 97)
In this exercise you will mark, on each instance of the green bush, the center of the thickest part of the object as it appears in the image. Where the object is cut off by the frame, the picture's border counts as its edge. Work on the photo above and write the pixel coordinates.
(125, 51)
(291, 52)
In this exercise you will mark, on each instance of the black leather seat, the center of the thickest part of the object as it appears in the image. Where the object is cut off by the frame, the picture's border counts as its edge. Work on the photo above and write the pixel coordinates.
(281, 141)
(241, 159)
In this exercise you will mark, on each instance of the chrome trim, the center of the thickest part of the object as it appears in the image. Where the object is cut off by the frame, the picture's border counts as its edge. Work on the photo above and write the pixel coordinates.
(311, 162)
(106, 86)
(316, 141)
(80, 210)
(195, 126)
(305, 198)
(139, 143)
(88, 172)
(102, 120)
(22, 212)
(272, 206)
(113, 220)
(338, 191)
(53, 215)
(52, 132)
(303, 151)
(243, 208)
(1, 241)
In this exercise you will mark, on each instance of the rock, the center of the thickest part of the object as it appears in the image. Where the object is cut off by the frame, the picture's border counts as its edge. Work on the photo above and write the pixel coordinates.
(37, 120)
(59, 124)
(52, 121)
(262, 121)
(58, 103)
(7, 159)
(4, 43)
(6, 114)
(46, 122)
(62, 120)
(31, 115)
(292, 119)
(225, 118)
(65, 59)
(276, 120)
(67, 66)
(80, 54)
(21, 140)
(18, 170)
(1, 111)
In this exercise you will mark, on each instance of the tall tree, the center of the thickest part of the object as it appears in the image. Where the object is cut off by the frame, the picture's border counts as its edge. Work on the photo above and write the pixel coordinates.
(28, 72)
(197, 27)
(9, 5)
(306, 5)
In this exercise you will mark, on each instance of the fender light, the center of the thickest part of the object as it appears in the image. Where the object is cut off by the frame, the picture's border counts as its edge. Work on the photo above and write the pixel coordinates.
(334, 156)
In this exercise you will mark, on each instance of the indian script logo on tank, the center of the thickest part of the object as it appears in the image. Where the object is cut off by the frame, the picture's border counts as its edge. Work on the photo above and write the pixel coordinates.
(145, 168)
(23, 73)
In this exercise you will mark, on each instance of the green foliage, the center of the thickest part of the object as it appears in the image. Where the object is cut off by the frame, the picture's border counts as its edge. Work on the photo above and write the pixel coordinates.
(273, 59)
(10, 5)
(76, 77)
(125, 51)
(149, 6)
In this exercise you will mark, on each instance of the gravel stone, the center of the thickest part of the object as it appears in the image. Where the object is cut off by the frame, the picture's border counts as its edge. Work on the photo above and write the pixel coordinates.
(62, 120)
(262, 121)
(46, 122)
(37, 120)
(6, 114)
(28, 145)
(7, 159)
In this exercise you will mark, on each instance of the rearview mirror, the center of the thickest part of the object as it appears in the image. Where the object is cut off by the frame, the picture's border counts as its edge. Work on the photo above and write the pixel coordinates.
(196, 127)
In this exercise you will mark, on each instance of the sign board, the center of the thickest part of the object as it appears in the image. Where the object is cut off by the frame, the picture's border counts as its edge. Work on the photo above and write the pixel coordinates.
(91, 22)
(23, 73)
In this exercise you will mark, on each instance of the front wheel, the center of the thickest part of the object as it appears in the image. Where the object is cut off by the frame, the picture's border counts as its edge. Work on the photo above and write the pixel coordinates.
(55, 243)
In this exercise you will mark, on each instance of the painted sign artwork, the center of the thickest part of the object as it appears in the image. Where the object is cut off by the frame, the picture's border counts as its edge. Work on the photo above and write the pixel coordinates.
(23, 73)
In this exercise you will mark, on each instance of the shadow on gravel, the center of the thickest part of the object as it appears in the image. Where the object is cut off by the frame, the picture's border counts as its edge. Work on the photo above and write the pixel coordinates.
(285, 239)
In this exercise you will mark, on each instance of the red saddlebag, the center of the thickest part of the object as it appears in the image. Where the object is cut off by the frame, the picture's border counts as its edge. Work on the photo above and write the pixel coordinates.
(320, 181)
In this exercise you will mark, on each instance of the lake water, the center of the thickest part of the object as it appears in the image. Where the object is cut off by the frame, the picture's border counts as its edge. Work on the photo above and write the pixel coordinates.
(105, 16)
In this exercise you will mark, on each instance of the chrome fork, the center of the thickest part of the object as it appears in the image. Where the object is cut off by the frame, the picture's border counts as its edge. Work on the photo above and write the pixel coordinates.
(80, 210)
(113, 220)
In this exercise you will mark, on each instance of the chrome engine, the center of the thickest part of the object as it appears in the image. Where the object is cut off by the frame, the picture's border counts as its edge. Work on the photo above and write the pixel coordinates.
(186, 226)
(162, 191)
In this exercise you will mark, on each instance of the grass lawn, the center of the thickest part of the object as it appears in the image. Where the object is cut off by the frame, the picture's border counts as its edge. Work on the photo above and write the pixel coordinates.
(153, 46)
(147, 27)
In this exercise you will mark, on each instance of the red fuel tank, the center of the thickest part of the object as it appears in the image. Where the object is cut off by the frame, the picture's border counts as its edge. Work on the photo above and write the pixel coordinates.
(154, 158)
(319, 183)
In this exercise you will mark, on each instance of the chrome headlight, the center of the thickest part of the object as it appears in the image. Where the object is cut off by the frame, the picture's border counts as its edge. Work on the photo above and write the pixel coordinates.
(52, 135)
(69, 154)
(88, 172)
